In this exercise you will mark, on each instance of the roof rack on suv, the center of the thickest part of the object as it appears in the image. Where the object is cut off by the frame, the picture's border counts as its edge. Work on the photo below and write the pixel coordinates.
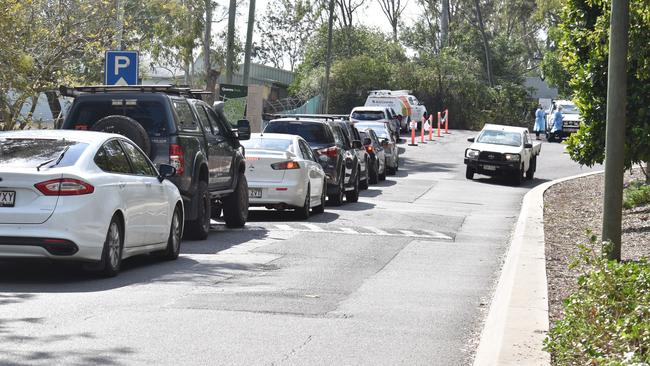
(168, 89)
(331, 117)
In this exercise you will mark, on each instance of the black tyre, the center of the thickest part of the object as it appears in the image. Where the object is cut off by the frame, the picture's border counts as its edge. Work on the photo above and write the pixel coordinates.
(374, 173)
(353, 195)
(199, 228)
(215, 213)
(364, 183)
(321, 208)
(112, 253)
(530, 174)
(175, 236)
(235, 205)
(125, 126)
(469, 173)
(302, 213)
(336, 199)
(518, 178)
(382, 176)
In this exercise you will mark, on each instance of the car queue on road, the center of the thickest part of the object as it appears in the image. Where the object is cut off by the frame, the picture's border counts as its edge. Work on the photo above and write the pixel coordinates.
(136, 169)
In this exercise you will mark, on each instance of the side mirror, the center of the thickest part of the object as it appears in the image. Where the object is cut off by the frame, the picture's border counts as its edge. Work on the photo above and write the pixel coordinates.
(471, 139)
(244, 129)
(367, 141)
(166, 171)
(356, 144)
(528, 146)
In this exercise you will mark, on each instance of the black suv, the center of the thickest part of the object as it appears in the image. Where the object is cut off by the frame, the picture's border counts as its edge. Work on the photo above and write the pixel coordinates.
(360, 170)
(174, 126)
(322, 141)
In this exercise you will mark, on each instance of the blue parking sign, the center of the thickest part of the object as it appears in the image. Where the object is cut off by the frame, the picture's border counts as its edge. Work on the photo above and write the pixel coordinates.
(121, 68)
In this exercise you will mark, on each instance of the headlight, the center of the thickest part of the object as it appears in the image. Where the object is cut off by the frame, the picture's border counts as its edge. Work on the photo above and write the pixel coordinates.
(512, 157)
(471, 154)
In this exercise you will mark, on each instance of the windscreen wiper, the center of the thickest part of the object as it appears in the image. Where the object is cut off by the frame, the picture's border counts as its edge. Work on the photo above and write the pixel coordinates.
(56, 161)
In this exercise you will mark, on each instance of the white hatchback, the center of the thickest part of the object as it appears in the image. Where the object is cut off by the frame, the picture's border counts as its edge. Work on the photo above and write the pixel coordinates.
(283, 172)
(84, 196)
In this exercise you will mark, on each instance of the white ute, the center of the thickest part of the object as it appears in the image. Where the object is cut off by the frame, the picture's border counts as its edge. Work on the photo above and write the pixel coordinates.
(502, 151)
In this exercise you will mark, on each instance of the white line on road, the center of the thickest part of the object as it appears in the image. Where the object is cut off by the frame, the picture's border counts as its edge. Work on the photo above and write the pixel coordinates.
(376, 230)
(348, 230)
(284, 227)
(436, 234)
(312, 227)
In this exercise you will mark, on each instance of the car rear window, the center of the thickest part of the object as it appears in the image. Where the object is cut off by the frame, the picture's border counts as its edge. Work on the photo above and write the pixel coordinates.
(39, 153)
(268, 144)
(367, 115)
(150, 114)
(312, 132)
(379, 129)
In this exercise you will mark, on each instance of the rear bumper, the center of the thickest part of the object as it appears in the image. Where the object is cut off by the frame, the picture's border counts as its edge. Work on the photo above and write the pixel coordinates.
(53, 246)
(493, 168)
(276, 194)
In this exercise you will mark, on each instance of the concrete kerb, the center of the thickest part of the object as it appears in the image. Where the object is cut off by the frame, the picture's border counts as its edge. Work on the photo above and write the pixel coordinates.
(517, 322)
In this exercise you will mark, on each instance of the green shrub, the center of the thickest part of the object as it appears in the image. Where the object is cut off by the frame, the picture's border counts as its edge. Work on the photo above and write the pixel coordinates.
(636, 194)
(607, 319)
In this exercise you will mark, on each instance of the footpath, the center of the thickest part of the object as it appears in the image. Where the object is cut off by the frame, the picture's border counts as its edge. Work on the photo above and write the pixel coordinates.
(517, 322)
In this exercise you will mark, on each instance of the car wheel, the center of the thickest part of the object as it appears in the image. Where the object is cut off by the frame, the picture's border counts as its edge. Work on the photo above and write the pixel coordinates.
(337, 198)
(469, 173)
(530, 174)
(374, 173)
(353, 195)
(321, 208)
(517, 178)
(302, 213)
(382, 175)
(175, 235)
(199, 228)
(364, 184)
(235, 205)
(112, 252)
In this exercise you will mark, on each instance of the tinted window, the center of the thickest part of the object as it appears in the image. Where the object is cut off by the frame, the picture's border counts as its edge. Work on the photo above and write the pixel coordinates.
(111, 158)
(150, 114)
(306, 151)
(268, 144)
(367, 115)
(139, 162)
(203, 117)
(213, 121)
(185, 116)
(379, 129)
(31, 153)
(339, 137)
(312, 132)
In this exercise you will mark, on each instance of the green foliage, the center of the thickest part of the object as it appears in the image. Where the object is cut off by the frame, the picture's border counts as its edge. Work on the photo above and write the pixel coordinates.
(607, 319)
(636, 194)
(582, 51)
(352, 79)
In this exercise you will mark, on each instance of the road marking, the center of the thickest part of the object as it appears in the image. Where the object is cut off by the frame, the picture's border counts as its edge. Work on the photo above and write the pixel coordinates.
(342, 230)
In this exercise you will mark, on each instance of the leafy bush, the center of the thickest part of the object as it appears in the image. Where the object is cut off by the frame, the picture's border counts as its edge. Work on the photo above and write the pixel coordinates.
(607, 319)
(636, 194)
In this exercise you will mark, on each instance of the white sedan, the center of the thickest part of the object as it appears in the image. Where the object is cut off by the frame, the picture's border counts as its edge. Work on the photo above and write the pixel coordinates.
(283, 172)
(84, 196)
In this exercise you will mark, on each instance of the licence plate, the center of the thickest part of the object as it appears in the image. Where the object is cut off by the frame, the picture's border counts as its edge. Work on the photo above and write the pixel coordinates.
(489, 167)
(255, 192)
(7, 198)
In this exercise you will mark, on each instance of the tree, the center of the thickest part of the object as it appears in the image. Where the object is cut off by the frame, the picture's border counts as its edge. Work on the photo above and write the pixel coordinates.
(582, 37)
(284, 30)
(393, 10)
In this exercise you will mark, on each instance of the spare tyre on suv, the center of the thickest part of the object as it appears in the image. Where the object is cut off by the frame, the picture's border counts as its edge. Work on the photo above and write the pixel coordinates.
(174, 126)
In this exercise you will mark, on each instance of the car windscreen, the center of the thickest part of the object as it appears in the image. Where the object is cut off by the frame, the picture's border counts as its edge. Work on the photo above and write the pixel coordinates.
(268, 144)
(312, 132)
(379, 129)
(569, 109)
(39, 152)
(151, 114)
(367, 115)
(500, 138)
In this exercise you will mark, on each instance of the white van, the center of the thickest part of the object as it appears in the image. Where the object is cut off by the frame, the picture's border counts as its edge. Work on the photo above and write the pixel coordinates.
(401, 101)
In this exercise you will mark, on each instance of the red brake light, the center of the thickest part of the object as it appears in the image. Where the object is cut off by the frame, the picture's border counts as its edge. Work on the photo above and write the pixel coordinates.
(332, 152)
(64, 187)
(369, 148)
(285, 165)
(177, 158)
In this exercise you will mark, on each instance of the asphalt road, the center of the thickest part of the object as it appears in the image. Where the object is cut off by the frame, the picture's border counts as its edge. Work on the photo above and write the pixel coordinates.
(404, 276)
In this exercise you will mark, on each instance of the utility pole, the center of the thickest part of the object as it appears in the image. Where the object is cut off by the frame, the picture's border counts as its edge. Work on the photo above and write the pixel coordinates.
(328, 64)
(444, 24)
(249, 41)
(120, 24)
(230, 52)
(615, 130)
(207, 41)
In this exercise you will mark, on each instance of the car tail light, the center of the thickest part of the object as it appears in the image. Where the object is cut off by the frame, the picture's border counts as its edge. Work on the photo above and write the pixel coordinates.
(332, 152)
(369, 149)
(64, 187)
(177, 158)
(285, 165)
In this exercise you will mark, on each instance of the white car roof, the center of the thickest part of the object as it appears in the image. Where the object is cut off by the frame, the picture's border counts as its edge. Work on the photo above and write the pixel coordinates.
(493, 127)
(89, 137)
